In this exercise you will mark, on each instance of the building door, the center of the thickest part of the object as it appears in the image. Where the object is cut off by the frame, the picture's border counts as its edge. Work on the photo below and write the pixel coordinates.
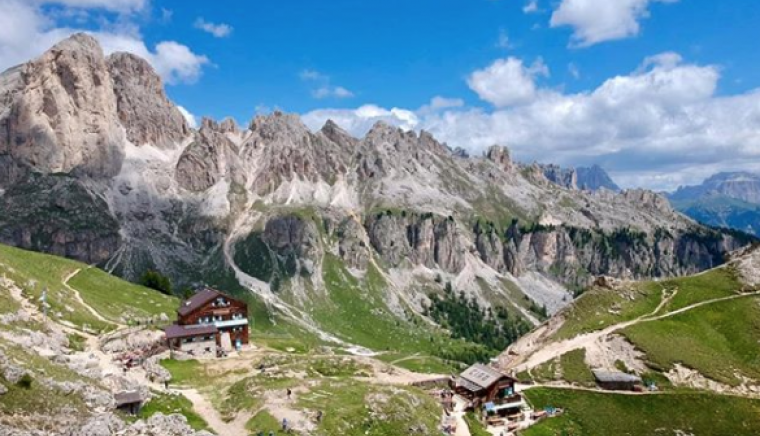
(226, 342)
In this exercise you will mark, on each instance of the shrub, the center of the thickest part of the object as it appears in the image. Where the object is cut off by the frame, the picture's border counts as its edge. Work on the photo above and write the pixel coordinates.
(155, 280)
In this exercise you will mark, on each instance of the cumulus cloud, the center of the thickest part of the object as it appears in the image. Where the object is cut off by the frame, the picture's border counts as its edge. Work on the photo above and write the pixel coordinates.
(219, 30)
(323, 87)
(507, 82)
(189, 117)
(360, 120)
(595, 21)
(659, 126)
(26, 31)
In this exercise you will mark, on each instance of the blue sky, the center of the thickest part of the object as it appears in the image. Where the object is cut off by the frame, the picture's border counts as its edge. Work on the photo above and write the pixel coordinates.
(660, 92)
(402, 53)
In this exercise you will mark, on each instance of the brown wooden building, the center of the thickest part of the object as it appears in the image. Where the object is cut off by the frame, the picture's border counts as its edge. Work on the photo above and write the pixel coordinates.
(209, 320)
(482, 384)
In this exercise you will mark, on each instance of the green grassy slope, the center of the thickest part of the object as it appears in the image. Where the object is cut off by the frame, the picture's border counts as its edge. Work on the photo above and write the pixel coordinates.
(598, 414)
(600, 307)
(108, 295)
(719, 340)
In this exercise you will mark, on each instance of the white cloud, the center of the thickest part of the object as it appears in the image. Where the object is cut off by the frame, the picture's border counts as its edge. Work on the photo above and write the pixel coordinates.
(219, 30)
(360, 120)
(658, 127)
(507, 82)
(189, 117)
(324, 88)
(531, 7)
(26, 32)
(438, 103)
(595, 21)
(174, 62)
(111, 5)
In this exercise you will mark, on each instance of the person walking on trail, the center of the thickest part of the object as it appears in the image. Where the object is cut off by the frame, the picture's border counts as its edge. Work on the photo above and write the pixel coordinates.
(289, 392)
(166, 384)
(319, 416)
(284, 424)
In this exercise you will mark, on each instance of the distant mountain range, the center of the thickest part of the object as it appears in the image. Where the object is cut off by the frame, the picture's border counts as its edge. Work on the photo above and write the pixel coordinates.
(723, 200)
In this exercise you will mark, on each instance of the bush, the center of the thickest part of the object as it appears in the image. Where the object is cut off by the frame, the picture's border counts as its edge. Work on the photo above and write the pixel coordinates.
(25, 381)
(155, 280)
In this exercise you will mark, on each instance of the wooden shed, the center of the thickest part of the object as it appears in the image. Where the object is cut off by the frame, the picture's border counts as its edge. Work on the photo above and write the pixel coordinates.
(129, 402)
(616, 381)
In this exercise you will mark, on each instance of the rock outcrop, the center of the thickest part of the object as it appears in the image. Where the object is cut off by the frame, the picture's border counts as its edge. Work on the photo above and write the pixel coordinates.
(143, 108)
(565, 177)
(210, 158)
(60, 115)
(424, 239)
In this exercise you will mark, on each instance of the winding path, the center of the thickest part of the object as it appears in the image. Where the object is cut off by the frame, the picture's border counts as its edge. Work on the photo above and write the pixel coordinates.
(206, 410)
(554, 350)
(84, 304)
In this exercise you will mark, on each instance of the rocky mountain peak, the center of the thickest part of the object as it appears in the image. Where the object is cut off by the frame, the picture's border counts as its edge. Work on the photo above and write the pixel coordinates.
(500, 156)
(648, 199)
(143, 107)
(336, 134)
(229, 125)
(565, 177)
(62, 115)
(594, 178)
(79, 43)
(278, 125)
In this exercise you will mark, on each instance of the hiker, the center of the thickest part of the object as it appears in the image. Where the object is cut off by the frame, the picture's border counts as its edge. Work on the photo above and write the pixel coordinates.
(319, 416)
(289, 393)
(284, 424)
(166, 384)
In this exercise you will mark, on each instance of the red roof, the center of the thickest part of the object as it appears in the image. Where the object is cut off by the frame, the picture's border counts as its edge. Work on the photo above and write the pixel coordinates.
(187, 331)
(197, 301)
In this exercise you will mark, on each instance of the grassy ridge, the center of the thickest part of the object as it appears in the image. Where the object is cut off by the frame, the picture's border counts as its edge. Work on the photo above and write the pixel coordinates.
(598, 414)
(108, 295)
(115, 298)
(718, 340)
(600, 307)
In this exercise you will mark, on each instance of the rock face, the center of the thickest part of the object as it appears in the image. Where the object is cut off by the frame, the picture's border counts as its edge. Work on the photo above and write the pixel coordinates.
(352, 247)
(143, 108)
(294, 239)
(500, 156)
(565, 177)
(285, 150)
(58, 215)
(576, 256)
(60, 115)
(421, 239)
(209, 159)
